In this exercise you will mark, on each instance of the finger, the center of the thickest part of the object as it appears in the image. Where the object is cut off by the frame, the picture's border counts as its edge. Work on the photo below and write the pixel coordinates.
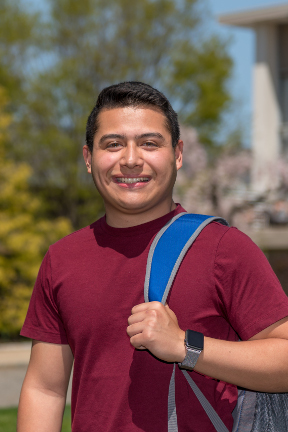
(170, 313)
(137, 342)
(134, 329)
(150, 313)
(138, 317)
(139, 308)
(145, 306)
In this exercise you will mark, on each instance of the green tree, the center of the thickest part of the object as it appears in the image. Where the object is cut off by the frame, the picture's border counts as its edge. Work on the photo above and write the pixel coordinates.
(24, 236)
(21, 43)
(93, 43)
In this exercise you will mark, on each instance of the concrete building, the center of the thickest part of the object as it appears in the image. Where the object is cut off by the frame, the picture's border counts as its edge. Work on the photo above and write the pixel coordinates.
(269, 132)
(270, 90)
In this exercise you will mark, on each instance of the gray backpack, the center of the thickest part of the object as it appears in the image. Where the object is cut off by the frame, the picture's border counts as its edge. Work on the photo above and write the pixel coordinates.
(255, 411)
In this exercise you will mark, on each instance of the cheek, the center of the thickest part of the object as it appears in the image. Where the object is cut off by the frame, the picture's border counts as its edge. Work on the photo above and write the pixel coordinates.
(104, 164)
(163, 166)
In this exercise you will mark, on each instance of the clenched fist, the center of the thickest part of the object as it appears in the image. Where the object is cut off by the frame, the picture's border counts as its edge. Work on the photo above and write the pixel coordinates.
(155, 327)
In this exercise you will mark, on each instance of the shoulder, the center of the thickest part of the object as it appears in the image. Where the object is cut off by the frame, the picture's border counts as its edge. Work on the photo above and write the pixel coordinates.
(76, 240)
(232, 248)
(226, 237)
(228, 234)
(235, 243)
(237, 256)
(213, 234)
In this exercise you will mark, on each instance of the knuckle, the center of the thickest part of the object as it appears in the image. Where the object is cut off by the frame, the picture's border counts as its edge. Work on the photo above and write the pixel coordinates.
(147, 334)
(152, 313)
(151, 323)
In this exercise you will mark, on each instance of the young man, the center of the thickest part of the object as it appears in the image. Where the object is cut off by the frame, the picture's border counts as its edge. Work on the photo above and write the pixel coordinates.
(91, 282)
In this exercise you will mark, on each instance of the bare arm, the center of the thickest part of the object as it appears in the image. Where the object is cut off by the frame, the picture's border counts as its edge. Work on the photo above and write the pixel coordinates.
(258, 364)
(43, 394)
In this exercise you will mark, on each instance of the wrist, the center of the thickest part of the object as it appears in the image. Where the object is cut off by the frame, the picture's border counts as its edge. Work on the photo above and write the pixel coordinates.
(181, 351)
(194, 345)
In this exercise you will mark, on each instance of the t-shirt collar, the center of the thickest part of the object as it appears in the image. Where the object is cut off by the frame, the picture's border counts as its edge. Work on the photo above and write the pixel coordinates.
(154, 225)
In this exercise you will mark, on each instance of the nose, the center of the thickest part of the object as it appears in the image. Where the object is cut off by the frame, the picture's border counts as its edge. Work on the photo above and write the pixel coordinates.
(132, 156)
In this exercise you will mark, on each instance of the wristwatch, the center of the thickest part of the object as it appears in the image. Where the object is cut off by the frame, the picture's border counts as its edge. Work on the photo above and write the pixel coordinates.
(194, 344)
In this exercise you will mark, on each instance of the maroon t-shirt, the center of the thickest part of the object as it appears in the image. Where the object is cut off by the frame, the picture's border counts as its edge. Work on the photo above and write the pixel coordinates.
(86, 287)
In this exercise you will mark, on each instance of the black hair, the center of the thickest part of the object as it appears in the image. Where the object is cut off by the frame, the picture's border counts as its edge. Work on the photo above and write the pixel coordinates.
(132, 94)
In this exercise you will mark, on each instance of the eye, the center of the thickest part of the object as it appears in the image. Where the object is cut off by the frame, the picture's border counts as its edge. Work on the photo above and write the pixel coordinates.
(113, 145)
(149, 144)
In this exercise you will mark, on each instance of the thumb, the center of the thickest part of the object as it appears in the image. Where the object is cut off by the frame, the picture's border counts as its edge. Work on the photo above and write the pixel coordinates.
(171, 313)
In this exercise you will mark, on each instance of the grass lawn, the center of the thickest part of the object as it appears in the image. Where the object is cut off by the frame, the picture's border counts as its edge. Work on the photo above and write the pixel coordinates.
(8, 420)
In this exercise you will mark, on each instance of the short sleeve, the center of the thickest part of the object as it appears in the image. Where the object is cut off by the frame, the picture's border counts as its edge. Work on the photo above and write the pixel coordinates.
(249, 290)
(43, 321)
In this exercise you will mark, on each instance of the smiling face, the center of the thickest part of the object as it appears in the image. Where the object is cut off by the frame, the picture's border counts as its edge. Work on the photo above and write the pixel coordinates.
(133, 164)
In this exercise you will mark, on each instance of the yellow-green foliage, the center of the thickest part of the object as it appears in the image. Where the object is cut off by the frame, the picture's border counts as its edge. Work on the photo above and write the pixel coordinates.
(24, 237)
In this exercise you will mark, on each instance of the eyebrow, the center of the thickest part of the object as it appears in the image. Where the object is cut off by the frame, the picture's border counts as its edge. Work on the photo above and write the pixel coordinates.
(111, 136)
(145, 135)
(150, 135)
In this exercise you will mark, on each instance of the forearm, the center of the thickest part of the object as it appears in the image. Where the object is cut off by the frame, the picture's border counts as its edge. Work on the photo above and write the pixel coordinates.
(40, 411)
(260, 365)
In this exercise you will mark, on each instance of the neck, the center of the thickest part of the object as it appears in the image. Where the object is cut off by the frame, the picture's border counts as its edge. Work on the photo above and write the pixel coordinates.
(125, 219)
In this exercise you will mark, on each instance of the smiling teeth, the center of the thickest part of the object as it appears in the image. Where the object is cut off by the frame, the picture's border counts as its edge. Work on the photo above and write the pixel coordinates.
(132, 180)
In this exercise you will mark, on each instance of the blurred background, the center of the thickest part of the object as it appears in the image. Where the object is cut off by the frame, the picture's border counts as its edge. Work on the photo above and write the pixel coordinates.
(223, 66)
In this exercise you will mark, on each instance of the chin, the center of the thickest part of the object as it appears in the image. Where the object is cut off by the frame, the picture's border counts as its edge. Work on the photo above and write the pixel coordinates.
(133, 207)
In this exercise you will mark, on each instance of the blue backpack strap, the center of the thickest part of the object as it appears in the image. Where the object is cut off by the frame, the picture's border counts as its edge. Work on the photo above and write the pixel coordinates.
(165, 256)
(168, 250)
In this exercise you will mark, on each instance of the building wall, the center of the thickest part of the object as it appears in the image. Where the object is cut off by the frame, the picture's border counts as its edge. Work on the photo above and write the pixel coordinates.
(278, 260)
(266, 140)
(283, 84)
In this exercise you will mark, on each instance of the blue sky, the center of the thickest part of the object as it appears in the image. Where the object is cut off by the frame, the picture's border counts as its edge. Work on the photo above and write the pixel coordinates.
(242, 52)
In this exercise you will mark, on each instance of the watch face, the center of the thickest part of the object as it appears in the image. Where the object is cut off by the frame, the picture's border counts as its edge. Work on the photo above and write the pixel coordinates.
(194, 339)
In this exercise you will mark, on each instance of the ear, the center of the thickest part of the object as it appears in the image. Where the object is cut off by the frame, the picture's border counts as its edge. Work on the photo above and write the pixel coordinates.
(87, 158)
(179, 154)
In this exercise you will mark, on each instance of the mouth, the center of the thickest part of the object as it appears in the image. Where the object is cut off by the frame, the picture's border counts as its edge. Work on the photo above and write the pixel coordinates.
(128, 182)
(132, 180)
